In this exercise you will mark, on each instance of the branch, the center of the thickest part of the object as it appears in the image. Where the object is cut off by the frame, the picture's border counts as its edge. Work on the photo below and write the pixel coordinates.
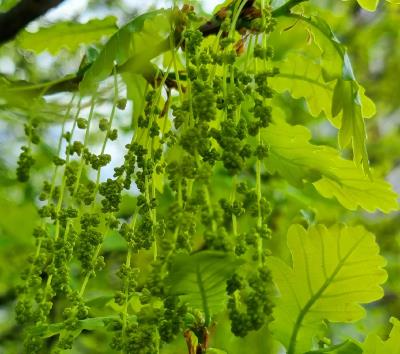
(71, 83)
(19, 16)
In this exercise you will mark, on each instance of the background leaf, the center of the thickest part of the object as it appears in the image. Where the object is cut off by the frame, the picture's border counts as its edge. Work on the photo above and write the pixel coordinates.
(375, 345)
(334, 271)
(68, 35)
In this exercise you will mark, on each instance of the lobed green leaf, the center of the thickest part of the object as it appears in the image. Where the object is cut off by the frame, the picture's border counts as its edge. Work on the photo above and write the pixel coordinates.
(298, 161)
(326, 80)
(334, 271)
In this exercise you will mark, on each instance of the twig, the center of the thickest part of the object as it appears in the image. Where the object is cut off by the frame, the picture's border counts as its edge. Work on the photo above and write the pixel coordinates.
(210, 27)
(19, 16)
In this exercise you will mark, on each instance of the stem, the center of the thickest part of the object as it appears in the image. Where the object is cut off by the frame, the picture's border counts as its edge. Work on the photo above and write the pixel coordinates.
(53, 181)
(61, 197)
(60, 144)
(103, 147)
(110, 121)
(215, 49)
(210, 208)
(237, 10)
(258, 183)
(126, 290)
(232, 199)
(153, 213)
(189, 92)
(62, 189)
(175, 64)
(258, 191)
(86, 141)
(204, 300)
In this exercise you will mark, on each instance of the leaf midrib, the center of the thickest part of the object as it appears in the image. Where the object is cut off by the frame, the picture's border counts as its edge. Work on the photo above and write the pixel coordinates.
(203, 296)
(316, 296)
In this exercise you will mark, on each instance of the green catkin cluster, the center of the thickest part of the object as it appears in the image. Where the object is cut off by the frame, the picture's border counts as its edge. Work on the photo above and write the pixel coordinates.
(25, 159)
(25, 162)
(48, 272)
(216, 129)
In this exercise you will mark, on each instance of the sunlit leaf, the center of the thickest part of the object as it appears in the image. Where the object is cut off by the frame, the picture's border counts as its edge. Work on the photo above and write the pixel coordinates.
(352, 129)
(334, 271)
(326, 80)
(296, 159)
(136, 87)
(302, 77)
(140, 40)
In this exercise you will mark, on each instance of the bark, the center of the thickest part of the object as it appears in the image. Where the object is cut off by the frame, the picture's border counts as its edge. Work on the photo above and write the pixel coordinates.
(19, 16)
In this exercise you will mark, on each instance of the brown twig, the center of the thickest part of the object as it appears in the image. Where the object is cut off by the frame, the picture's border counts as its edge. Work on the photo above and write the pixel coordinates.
(19, 16)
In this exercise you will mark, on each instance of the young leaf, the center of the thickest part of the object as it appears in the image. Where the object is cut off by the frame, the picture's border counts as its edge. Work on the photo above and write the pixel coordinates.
(200, 279)
(296, 159)
(136, 87)
(142, 39)
(356, 106)
(313, 76)
(353, 126)
(338, 98)
(68, 35)
(375, 345)
(334, 271)
(302, 77)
